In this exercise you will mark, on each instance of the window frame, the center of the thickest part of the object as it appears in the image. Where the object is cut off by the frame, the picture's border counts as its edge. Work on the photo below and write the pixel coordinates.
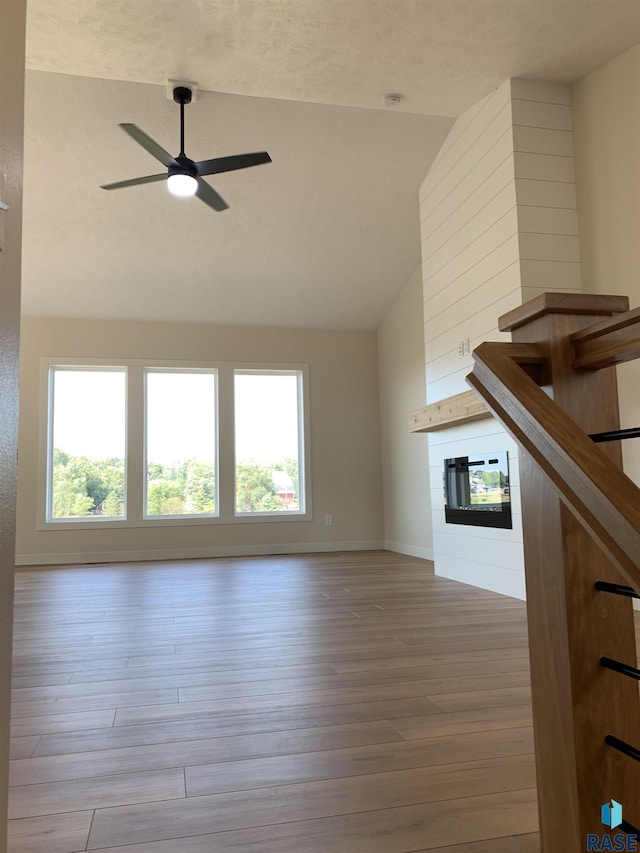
(136, 437)
(302, 420)
(50, 519)
(210, 371)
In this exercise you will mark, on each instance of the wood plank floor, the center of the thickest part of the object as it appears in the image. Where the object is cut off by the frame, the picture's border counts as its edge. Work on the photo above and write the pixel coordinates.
(333, 703)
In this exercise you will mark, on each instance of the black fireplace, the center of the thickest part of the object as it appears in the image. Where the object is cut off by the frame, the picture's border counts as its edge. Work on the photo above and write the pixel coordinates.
(476, 490)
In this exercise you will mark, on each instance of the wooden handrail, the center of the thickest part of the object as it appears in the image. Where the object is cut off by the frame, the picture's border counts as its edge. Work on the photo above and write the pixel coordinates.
(612, 341)
(573, 493)
(601, 496)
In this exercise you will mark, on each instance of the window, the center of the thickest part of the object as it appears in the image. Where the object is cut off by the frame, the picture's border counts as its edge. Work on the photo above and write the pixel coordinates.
(151, 443)
(87, 441)
(180, 443)
(268, 442)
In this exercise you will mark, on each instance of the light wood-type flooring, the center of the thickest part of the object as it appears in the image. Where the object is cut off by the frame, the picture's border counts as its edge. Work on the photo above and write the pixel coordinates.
(326, 703)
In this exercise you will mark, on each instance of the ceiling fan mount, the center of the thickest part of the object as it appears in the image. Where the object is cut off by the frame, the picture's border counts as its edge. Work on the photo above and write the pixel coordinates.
(184, 176)
(182, 95)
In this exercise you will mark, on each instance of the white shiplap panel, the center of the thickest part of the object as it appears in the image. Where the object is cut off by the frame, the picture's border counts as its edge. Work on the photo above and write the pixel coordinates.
(536, 114)
(462, 151)
(549, 247)
(477, 436)
(542, 140)
(486, 534)
(445, 366)
(478, 292)
(546, 193)
(487, 139)
(507, 556)
(471, 223)
(452, 327)
(537, 90)
(450, 368)
(544, 167)
(477, 264)
(494, 578)
(551, 275)
(465, 178)
(459, 127)
(465, 202)
(448, 385)
(461, 254)
(547, 220)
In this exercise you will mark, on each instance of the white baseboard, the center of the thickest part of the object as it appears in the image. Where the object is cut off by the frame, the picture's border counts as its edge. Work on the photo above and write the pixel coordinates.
(412, 550)
(26, 560)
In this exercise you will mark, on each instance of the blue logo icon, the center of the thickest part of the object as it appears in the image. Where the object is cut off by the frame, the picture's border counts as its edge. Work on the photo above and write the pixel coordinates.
(612, 814)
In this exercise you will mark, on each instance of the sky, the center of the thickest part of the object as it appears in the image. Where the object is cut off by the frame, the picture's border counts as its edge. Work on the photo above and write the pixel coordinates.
(90, 415)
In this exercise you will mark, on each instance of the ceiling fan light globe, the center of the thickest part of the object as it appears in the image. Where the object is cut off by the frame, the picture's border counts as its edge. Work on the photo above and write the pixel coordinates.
(182, 185)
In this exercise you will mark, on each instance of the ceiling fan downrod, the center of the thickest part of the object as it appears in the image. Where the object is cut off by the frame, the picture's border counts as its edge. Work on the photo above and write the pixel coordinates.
(182, 96)
(186, 166)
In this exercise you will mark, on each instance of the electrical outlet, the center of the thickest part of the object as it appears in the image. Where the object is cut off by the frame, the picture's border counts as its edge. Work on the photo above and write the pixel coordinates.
(328, 519)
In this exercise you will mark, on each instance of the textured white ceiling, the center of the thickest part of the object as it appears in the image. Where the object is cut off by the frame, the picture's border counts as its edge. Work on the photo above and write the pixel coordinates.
(440, 55)
(327, 234)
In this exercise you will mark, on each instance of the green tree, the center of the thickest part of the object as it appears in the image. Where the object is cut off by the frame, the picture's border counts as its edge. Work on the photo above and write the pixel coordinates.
(200, 488)
(81, 484)
(155, 471)
(69, 493)
(255, 489)
(165, 497)
(112, 505)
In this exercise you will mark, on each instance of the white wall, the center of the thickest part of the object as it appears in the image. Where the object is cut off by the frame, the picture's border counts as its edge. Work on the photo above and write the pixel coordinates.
(12, 31)
(405, 459)
(499, 226)
(345, 439)
(607, 122)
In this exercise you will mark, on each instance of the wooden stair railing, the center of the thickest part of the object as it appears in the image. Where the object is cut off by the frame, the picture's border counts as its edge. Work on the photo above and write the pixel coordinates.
(551, 388)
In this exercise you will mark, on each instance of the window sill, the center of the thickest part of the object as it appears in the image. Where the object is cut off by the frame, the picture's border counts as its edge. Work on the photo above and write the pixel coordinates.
(142, 523)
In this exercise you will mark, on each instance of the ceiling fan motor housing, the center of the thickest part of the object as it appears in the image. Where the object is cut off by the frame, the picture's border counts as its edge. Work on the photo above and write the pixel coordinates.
(185, 166)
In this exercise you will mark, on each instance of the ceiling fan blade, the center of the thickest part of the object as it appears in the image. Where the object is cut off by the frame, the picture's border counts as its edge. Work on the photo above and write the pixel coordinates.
(149, 144)
(133, 182)
(209, 196)
(230, 164)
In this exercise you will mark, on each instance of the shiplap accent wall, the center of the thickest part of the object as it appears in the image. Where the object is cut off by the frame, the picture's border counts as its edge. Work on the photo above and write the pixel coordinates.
(544, 174)
(499, 226)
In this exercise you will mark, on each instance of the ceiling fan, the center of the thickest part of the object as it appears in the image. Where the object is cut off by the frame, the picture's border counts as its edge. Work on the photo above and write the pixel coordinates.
(183, 175)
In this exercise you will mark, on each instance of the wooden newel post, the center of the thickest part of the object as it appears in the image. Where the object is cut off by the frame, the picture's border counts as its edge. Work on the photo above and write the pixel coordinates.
(576, 702)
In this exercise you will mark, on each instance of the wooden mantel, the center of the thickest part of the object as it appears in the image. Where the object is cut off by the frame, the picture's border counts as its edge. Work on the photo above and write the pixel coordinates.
(452, 411)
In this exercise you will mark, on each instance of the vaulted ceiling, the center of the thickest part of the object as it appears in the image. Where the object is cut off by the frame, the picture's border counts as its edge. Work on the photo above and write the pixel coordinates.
(327, 234)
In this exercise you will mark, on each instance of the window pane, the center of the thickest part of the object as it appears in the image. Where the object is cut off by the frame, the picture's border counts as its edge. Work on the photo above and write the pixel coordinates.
(268, 425)
(87, 441)
(181, 443)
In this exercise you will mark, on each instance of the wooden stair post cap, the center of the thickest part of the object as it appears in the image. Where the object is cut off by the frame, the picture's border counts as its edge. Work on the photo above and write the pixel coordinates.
(562, 303)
